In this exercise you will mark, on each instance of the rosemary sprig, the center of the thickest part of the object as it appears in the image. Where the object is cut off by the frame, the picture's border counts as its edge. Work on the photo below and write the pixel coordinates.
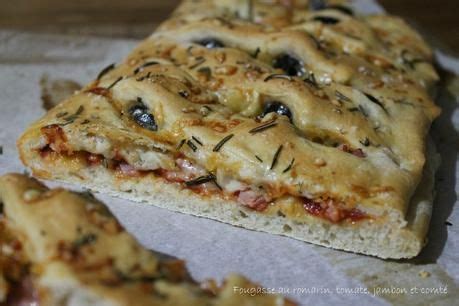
(220, 144)
(197, 140)
(263, 127)
(114, 83)
(201, 180)
(105, 71)
(148, 75)
(376, 101)
(341, 97)
(141, 67)
(76, 114)
(192, 146)
(181, 143)
(71, 118)
(61, 114)
(276, 157)
(289, 167)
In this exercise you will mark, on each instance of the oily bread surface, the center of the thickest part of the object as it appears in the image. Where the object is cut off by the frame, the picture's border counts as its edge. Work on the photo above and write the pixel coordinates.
(365, 86)
(175, 77)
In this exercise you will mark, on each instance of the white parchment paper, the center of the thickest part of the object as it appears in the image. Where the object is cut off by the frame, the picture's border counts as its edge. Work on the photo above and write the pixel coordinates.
(309, 274)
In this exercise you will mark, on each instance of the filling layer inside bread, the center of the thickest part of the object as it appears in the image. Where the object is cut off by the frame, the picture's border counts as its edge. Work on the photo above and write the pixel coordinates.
(190, 175)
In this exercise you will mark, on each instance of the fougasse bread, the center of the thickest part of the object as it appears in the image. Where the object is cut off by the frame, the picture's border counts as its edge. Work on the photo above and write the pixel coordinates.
(302, 119)
(61, 248)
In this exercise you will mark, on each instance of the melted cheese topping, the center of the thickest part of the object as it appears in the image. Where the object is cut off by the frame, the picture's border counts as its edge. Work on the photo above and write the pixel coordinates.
(359, 102)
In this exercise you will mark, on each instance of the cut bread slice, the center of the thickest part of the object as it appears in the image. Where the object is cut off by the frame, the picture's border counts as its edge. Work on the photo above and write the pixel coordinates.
(385, 237)
(299, 128)
(61, 248)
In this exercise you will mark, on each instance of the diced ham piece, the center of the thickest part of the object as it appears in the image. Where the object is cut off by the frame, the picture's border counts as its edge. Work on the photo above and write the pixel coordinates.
(128, 170)
(359, 153)
(23, 294)
(172, 176)
(252, 199)
(56, 138)
(94, 159)
(187, 171)
(331, 210)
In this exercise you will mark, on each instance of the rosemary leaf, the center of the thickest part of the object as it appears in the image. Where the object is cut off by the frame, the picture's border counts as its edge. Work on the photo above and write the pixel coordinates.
(114, 83)
(197, 140)
(105, 71)
(289, 167)
(141, 67)
(220, 144)
(263, 127)
(276, 157)
(200, 180)
(191, 145)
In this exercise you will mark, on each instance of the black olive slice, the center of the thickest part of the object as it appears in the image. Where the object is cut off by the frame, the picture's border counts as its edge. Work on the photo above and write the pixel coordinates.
(210, 43)
(276, 107)
(139, 113)
(289, 64)
(326, 19)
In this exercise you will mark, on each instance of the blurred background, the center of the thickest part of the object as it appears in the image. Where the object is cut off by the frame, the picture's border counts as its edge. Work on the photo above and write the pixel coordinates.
(137, 18)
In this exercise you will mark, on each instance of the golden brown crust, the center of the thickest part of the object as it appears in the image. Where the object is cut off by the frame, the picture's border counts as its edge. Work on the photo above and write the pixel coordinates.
(358, 105)
(70, 238)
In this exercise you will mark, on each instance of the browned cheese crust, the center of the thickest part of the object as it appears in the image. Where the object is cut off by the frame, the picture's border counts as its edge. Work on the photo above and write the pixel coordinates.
(317, 115)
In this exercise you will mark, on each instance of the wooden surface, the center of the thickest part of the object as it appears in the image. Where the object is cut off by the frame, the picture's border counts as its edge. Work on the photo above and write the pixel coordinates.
(137, 18)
